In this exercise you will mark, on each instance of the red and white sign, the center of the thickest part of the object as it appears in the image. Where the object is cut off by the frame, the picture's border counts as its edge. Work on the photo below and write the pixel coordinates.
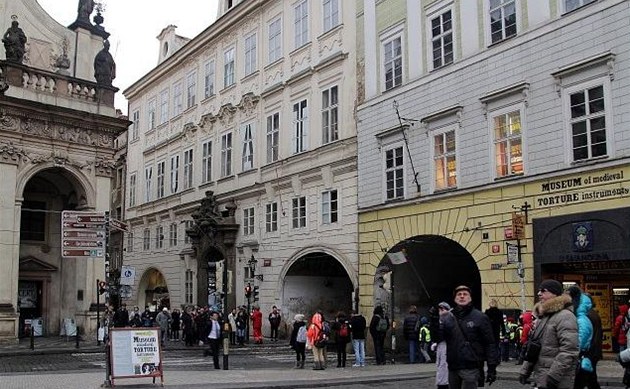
(83, 234)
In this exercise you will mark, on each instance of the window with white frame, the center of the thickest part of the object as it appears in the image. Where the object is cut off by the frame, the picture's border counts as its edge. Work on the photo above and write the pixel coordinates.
(300, 126)
(273, 137)
(209, 79)
(151, 114)
(188, 224)
(301, 23)
(442, 39)
(172, 234)
(177, 99)
(226, 154)
(188, 299)
(587, 107)
(330, 100)
(250, 54)
(132, 189)
(570, 5)
(148, 182)
(445, 160)
(330, 207)
(206, 161)
(161, 174)
(508, 143)
(393, 62)
(135, 126)
(248, 221)
(228, 67)
(502, 19)
(331, 14)
(299, 212)
(164, 102)
(188, 169)
(191, 89)
(247, 135)
(394, 173)
(130, 242)
(146, 239)
(271, 217)
(275, 40)
(174, 173)
(159, 237)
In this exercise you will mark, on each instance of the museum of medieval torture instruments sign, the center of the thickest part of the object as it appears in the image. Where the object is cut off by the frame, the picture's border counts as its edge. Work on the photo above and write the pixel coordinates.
(136, 353)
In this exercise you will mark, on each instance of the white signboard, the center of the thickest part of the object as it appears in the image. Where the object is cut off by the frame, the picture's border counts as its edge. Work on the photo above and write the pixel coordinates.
(136, 353)
(512, 253)
(127, 275)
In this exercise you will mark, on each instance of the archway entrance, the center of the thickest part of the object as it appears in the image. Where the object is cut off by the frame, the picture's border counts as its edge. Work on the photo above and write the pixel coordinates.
(317, 282)
(434, 266)
(153, 291)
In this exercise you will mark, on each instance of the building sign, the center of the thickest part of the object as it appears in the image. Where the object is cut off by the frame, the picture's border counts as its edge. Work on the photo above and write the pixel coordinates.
(82, 234)
(512, 253)
(136, 353)
(581, 189)
(518, 225)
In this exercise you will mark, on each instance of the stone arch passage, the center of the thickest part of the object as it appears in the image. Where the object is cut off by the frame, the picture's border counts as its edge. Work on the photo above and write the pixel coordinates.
(153, 290)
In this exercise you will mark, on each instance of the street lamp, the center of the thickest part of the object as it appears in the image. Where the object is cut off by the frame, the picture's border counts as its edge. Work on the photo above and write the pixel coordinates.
(252, 268)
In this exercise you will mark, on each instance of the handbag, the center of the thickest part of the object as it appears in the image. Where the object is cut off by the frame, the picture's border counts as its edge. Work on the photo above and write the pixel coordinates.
(533, 346)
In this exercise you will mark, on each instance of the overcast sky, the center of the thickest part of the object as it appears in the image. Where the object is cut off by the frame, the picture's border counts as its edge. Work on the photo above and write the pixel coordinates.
(134, 26)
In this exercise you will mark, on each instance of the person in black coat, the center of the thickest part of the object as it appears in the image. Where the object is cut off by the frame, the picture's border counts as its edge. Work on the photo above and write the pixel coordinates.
(341, 328)
(496, 321)
(378, 336)
(358, 325)
(411, 332)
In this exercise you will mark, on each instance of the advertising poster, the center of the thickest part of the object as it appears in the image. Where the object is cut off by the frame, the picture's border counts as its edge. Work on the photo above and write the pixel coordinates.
(136, 352)
(601, 295)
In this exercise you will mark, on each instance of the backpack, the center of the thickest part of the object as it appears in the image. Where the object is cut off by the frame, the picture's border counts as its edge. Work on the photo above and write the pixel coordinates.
(343, 331)
(382, 325)
(301, 335)
(324, 333)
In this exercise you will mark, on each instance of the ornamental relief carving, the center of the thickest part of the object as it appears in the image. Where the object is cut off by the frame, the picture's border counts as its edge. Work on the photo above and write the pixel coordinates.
(248, 104)
(9, 153)
(300, 60)
(330, 42)
(226, 114)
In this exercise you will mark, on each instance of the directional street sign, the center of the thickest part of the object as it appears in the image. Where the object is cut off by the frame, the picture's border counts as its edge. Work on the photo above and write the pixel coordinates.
(83, 234)
(117, 224)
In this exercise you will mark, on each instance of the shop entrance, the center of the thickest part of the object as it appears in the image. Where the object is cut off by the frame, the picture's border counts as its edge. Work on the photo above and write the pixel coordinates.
(29, 304)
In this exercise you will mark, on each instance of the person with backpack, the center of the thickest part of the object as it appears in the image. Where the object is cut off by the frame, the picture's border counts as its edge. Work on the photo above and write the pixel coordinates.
(316, 340)
(411, 332)
(341, 328)
(589, 339)
(378, 330)
(298, 340)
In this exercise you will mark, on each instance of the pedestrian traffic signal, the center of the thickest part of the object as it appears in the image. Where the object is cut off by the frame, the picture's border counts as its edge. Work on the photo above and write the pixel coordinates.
(102, 287)
(248, 291)
(256, 293)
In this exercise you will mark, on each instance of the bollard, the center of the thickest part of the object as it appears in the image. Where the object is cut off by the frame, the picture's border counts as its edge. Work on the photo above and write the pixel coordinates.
(32, 338)
(226, 345)
(76, 337)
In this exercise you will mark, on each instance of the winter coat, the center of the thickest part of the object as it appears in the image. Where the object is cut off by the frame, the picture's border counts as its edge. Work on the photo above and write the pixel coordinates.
(528, 322)
(585, 330)
(556, 328)
(296, 327)
(358, 325)
(496, 321)
(336, 328)
(312, 333)
(374, 322)
(618, 330)
(478, 344)
(162, 320)
(595, 352)
(409, 326)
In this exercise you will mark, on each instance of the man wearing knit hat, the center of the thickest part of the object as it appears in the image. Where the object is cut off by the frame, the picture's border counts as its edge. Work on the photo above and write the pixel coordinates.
(554, 365)
(469, 343)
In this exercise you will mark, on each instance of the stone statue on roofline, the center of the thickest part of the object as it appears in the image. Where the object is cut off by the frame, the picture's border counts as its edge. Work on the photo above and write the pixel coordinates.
(86, 7)
(14, 41)
(104, 66)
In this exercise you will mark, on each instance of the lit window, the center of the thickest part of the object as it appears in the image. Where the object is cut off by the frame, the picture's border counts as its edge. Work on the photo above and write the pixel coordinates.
(445, 161)
(508, 144)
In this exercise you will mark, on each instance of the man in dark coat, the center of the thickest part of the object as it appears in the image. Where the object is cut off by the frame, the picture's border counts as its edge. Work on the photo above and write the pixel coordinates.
(496, 321)
(469, 343)
(411, 332)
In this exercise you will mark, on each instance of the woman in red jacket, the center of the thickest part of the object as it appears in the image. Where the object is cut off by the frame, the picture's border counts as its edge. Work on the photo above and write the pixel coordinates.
(257, 325)
(527, 323)
(620, 328)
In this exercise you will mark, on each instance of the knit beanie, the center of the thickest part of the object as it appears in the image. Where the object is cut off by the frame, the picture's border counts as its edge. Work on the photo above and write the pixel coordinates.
(552, 286)
(461, 287)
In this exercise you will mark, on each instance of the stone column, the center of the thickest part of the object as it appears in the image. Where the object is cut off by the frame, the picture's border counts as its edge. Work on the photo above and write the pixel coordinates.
(10, 210)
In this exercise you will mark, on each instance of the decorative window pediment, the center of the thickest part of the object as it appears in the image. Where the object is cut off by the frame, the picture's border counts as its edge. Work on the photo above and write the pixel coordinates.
(31, 263)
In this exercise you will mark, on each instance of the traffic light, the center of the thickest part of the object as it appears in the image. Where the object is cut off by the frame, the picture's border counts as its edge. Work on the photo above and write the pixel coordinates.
(248, 291)
(256, 293)
(102, 287)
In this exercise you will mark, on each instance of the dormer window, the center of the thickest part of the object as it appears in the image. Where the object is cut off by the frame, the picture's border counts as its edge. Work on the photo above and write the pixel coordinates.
(165, 49)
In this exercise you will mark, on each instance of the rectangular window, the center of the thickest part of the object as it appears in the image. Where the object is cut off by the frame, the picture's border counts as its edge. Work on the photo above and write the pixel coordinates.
(209, 79)
(273, 136)
(135, 126)
(191, 89)
(392, 62)
(271, 217)
(187, 226)
(177, 99)
(394, 174)
(146, 239)
(508, 146)
(570, 5)
(132, 189)
(228, 67)
(502, 19)
(159, 237)
(189, 286)
(299, 212)
(331, 14)
(226, 154)
(442, 39)
(148, 178)
(174, 173)
(250, 54)
(33, 221)
(188, 169)
(206, 162)
(301, 24)
(275, 40)
(164, 102)
(588, 123)
(130, 242)
(445, 160)
(247, 134)
(172, 234)
(151, 114)
(330, 99)
(330, 207)
(300, 127)
(161, 166)
(248, 221)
